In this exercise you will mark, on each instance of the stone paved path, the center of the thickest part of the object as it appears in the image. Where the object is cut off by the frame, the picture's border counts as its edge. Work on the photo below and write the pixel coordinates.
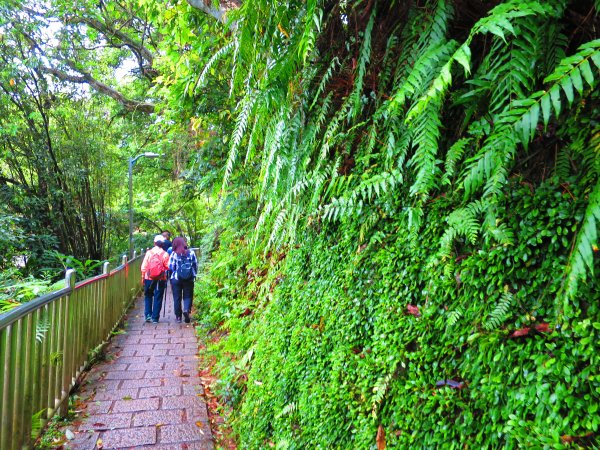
(147, 394)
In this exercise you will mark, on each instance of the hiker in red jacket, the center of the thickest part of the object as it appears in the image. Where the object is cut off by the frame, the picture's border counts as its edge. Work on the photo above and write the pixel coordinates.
(154, 272)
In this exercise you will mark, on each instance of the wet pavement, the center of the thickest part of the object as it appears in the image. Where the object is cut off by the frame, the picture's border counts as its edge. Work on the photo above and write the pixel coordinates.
(147, 394)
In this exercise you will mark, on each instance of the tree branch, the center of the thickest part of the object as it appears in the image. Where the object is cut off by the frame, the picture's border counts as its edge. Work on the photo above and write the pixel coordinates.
(109, 32)
(130, 105)
(217, 13)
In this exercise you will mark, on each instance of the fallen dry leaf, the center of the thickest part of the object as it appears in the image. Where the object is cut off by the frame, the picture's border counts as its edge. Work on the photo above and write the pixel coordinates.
(414, 310)
(521, 332)
(542, 327)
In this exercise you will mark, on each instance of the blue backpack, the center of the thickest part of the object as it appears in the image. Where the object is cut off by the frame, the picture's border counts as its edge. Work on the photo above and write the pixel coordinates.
(184, 267)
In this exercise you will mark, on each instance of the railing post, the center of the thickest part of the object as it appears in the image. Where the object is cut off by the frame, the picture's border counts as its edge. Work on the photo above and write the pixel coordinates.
(134, 254)
(105, 268)
(70, 278)
(124, 259)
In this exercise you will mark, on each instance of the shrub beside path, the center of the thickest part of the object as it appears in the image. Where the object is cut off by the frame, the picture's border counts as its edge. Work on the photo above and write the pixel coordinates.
(147, 394)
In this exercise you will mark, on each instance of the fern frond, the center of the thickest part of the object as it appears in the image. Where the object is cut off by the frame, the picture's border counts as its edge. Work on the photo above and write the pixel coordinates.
(454, 316)
(421, 74)
(312, 25)
(379, 390)
(453, 156)
(363, 61)
(426, 135)
(566, 78)
(272, 145)
(211, 62)
(278, 225)
(582, 257)
(326, 78)
(500, 312)
(240, 128)
(462, 222)
(288, 409)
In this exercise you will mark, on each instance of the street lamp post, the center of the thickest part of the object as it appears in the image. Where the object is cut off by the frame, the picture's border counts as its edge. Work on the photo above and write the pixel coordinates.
(131, 163)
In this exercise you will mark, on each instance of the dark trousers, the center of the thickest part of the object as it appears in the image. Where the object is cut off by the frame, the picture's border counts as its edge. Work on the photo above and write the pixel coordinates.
(182, 290)
(153, 294)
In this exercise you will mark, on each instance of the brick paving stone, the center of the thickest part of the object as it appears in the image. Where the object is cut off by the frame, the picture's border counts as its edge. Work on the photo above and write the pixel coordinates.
(155, 340)
(166, 359)
(130, 384)
(135, 331)
(161, 391)
(188, 366)
(107, 384)
(168, 417)
(162, 374)
(170, 345)
(196, 414)
(151, 352)
(117, 439)
(103, 422)
(154, 365)
(181, 381)
(189, 389)
(83, 441)
(123, 340)
(126, 375)
(144, 404)
(95, 407)
(151, 332)
(178, 334)
(115, 366)
(117, 394)
(185, 401)
(133, 359)
(129, 351)
(143, 346)
(182, 351)
(185, 432)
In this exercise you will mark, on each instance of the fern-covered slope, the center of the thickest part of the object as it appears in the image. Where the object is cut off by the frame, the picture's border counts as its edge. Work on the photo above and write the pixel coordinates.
(421, 267)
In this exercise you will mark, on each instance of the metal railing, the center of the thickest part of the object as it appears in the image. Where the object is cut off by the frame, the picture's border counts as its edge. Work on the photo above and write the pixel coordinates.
(47, 343)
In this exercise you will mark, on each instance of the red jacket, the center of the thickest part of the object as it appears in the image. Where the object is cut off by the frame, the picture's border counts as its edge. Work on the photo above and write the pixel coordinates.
(165, 259)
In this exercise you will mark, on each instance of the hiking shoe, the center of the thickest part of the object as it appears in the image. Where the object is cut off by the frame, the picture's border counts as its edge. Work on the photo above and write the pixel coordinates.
(178, 319)
(186, 317)
(154, 321)
(148, 319)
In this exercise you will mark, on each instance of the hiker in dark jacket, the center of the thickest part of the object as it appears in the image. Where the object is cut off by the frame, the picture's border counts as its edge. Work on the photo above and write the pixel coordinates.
(184, 267)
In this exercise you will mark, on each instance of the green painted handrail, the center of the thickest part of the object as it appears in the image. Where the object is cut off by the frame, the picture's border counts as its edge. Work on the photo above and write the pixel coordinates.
(46, 344)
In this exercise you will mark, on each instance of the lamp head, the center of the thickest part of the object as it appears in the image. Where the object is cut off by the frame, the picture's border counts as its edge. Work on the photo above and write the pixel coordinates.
(151, 155)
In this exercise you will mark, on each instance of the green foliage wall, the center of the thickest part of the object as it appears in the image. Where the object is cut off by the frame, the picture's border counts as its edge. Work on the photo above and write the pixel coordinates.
(421, 266)
(354, 337)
